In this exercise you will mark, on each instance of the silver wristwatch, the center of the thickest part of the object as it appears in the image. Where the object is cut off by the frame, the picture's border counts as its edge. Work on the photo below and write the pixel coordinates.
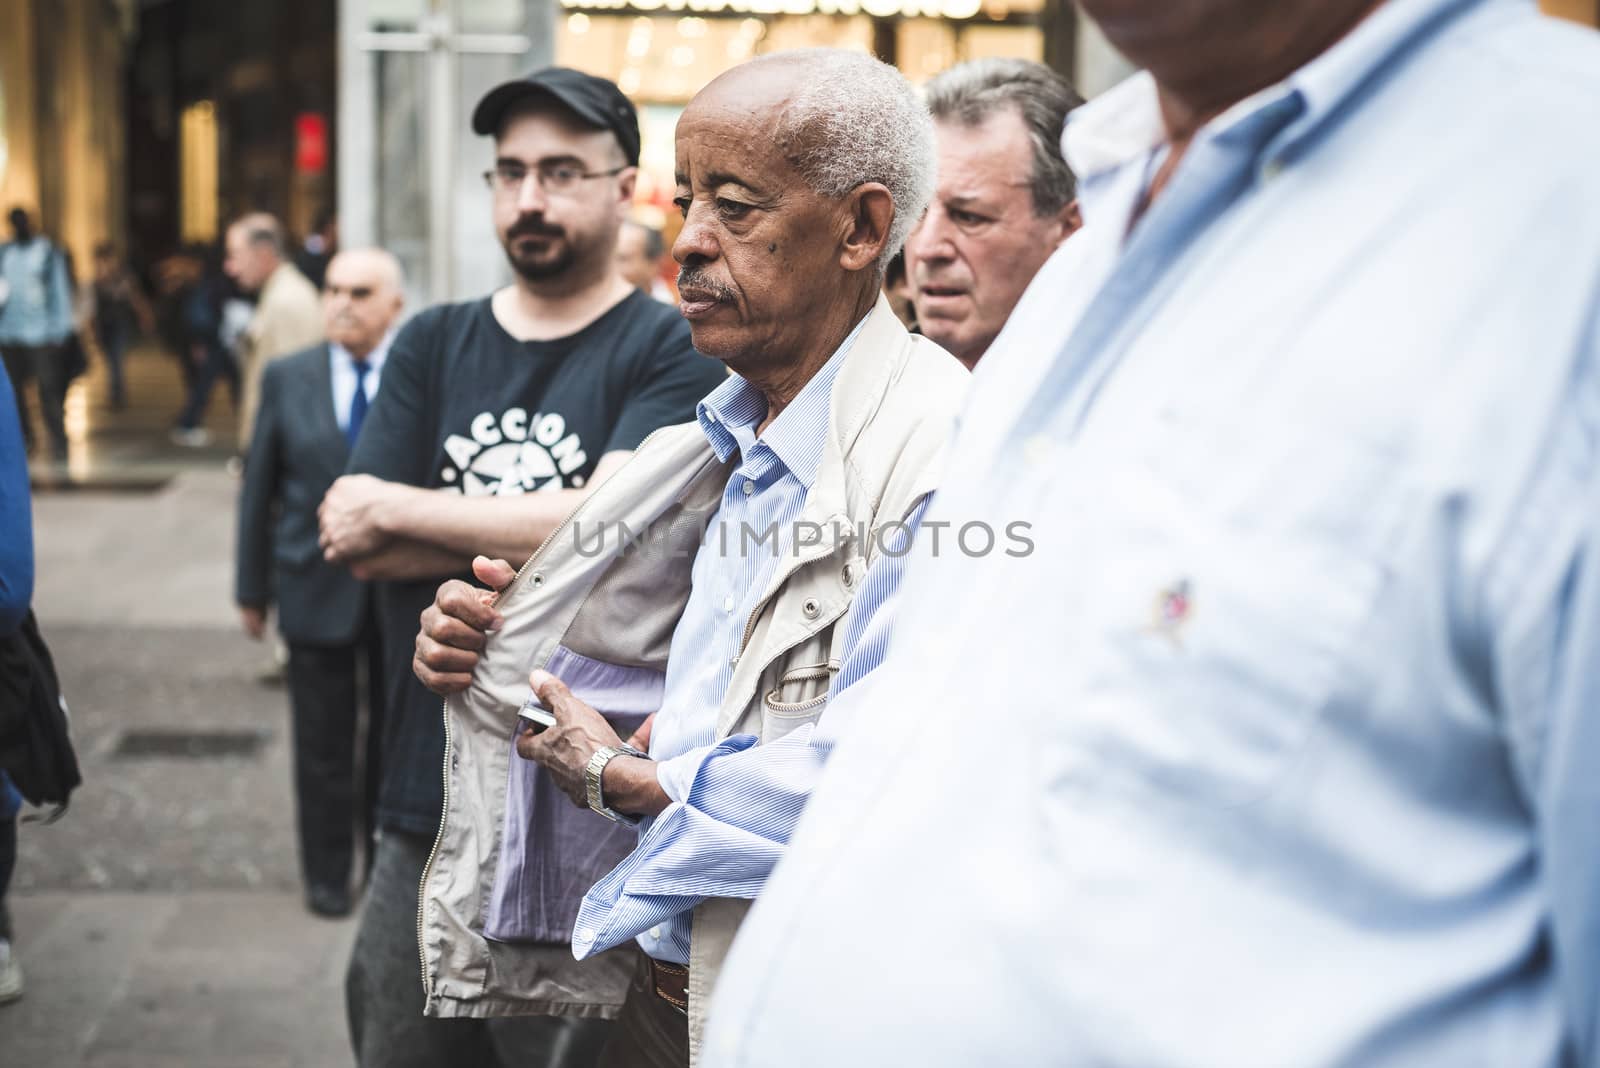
(591, 780)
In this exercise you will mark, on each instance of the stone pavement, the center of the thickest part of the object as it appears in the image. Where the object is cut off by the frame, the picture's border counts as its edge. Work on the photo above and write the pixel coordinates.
(159, 922)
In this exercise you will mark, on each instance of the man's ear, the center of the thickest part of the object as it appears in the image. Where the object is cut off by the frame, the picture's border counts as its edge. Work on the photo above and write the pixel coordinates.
(627, 181)
(1071, 220)
(870, 212)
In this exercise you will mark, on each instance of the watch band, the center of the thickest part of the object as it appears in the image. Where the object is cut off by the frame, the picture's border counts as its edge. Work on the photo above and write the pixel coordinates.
(591, 780)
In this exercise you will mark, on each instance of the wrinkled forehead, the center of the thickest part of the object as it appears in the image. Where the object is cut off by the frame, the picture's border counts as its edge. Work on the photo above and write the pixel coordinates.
(737, 125)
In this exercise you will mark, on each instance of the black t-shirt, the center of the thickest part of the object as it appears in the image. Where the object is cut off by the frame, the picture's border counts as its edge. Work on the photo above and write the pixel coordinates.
(465, 407)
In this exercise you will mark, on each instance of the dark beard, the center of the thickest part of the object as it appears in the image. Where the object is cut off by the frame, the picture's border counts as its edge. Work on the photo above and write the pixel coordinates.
(538, 269)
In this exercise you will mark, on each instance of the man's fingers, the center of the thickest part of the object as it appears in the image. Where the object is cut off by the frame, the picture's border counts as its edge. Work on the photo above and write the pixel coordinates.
(441, 683)
(554, 695)
(443, 658)
(447, 630)
(462, 601)
(641, 737)
(496, 574)
(527, 744)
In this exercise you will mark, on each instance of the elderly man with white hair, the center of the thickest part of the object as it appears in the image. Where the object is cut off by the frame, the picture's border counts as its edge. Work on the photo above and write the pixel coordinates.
(715, 597)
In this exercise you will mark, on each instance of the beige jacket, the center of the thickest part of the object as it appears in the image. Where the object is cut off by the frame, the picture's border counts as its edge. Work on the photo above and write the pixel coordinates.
(288, 318)
(890, 413)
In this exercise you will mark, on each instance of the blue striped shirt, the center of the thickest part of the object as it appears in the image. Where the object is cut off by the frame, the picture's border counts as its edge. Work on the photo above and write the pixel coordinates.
(733, 803)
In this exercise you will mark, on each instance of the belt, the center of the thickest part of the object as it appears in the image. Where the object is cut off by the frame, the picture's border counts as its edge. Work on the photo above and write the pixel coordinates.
(670, 983)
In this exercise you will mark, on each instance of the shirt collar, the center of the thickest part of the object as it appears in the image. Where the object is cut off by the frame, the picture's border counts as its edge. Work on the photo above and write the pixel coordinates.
(730, 414)
(374, 360)
(1123, 124)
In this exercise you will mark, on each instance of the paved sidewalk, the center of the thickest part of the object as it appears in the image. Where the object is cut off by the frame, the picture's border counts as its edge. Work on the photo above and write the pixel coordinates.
(159, 922)
(197, 979)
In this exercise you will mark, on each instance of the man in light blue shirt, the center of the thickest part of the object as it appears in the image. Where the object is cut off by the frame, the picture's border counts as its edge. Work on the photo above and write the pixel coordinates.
(35, 320)
(1278, 750)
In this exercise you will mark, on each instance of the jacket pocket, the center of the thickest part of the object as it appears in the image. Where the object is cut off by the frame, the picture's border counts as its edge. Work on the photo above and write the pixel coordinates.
(796, 698)
(551, 852)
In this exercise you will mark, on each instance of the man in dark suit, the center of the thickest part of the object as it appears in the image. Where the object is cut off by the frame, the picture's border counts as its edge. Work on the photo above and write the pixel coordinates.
(312, 406)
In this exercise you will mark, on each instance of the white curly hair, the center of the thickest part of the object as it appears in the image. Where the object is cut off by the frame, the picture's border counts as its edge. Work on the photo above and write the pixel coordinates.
(853, 120)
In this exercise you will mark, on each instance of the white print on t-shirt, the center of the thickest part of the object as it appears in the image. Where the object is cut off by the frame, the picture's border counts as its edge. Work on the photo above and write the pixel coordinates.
(512, 454)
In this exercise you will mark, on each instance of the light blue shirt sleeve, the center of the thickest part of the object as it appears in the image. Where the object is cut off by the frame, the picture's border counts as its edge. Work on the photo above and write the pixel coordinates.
(736, 803)
(1543, 594)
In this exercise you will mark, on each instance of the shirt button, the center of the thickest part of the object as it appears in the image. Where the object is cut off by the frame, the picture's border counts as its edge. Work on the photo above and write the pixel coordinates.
(583, 934)
(727, 604)
(733, 662)
(655, 932)
(749, 488)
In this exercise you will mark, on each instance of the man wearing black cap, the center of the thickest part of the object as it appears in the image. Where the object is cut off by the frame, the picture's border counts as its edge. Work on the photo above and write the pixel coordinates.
(498, 416)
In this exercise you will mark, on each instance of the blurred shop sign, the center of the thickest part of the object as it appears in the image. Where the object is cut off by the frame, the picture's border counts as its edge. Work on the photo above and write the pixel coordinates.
(949, 9)
(310, 143)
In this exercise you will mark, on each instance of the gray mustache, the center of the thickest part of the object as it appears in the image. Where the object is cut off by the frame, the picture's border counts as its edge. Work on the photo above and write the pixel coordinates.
(696, 279)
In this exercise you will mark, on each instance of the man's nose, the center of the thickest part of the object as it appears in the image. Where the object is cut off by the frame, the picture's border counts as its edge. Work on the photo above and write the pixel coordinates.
(531, 199)
(696, 243)
(932, 239)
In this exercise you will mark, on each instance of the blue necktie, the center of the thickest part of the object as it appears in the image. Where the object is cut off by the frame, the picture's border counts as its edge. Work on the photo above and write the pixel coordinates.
(358, 403)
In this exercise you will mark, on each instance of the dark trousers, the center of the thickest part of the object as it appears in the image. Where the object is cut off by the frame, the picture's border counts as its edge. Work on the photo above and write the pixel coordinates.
(8, 863)
(651, 1032)
(383, 991)
(45, 365)
(113, 340)
(326, 686)
(201, 379)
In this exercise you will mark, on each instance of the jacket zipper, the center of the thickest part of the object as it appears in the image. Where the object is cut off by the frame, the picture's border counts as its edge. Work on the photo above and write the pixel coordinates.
(444, 811)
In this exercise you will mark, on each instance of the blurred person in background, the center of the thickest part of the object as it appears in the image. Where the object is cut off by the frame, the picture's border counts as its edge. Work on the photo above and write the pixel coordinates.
(498, 416)
(36, 322)
(288, 315)
(897, 289)
(197, 294)
(640, 253)
(312, 406)
(118, 313)
(319, 248)
(1006, 199)
(16, 591)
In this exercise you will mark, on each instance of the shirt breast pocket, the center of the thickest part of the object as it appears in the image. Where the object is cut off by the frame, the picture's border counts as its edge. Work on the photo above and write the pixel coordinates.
(1223, 615)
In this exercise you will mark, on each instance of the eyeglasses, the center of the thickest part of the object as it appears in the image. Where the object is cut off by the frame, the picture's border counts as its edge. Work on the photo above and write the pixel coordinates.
(558, 178)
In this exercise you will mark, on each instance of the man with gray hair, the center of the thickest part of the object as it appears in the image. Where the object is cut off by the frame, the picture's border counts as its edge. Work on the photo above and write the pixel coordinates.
(717, 596)
(288, 314)
(988, 231)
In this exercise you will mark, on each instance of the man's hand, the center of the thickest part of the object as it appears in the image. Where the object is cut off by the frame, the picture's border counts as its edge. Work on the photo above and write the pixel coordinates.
(254, 620)
(564, 750)
(351, 517)
(640, 738)
(456, 626)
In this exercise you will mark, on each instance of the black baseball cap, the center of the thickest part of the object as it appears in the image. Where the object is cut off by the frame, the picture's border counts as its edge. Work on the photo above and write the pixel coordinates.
(595, 101)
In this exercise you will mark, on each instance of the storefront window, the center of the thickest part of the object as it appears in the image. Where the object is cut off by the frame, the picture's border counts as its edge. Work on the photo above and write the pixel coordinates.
(395, 16)
(662, 52)
(401, 180)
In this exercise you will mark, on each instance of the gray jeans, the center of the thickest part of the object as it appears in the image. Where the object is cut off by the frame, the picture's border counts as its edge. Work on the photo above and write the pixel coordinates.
(383, 991)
